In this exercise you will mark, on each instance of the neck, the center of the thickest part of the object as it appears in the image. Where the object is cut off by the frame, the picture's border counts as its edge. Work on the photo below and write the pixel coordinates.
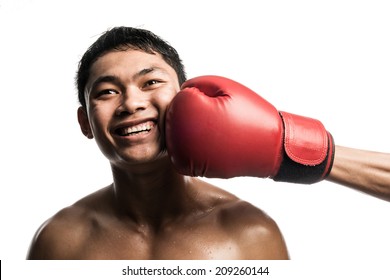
(151, 195)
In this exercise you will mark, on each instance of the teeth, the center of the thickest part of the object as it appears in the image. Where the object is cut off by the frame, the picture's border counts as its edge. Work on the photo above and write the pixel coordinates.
(137, 128)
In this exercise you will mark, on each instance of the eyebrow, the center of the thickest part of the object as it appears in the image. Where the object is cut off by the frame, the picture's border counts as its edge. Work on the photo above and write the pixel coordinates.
(105, 79)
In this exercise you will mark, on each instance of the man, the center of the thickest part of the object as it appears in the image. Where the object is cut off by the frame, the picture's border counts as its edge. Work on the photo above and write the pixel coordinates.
(126, 81)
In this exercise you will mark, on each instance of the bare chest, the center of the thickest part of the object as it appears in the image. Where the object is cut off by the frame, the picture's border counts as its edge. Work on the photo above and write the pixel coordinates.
(167, 244)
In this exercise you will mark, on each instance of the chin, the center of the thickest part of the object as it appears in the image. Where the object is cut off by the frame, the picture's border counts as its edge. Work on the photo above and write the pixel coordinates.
(141, 159)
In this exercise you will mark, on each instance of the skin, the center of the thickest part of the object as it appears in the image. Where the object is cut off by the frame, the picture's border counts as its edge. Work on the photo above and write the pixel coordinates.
(149, 211)
(362, 170)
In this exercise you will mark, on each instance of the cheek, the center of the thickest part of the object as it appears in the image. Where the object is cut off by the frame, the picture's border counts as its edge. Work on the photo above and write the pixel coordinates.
(162, 103)
(98, 119)
(165, 99)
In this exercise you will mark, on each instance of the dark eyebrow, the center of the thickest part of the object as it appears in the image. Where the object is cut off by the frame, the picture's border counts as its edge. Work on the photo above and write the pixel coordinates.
(146, 71)
(105, 79)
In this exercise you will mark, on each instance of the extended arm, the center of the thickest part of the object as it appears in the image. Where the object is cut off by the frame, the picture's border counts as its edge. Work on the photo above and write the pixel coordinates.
(248, 136)
(362, 170)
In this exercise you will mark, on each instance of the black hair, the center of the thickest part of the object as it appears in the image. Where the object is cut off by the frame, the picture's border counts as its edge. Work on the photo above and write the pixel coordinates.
(123, 38)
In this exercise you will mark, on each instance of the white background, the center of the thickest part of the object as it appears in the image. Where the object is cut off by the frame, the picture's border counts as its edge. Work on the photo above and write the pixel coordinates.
(329, 60)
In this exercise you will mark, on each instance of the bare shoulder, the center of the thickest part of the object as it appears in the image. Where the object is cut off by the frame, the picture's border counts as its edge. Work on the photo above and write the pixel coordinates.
(63, 235)
(257, 234)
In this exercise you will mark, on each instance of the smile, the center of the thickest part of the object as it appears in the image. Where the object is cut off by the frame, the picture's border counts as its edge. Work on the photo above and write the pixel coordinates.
(136, 129)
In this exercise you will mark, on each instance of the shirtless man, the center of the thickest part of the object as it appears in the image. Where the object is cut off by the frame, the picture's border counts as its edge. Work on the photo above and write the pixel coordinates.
(126, 81)
(149, 211)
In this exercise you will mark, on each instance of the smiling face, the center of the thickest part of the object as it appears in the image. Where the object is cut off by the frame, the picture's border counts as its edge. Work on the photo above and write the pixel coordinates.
(127, 94)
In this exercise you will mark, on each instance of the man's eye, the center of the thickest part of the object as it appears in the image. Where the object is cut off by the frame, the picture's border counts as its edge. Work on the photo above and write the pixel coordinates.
(107, 92)
(151, 83)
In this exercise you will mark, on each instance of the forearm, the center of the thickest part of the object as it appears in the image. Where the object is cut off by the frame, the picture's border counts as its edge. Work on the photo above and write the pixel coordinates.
(362, 170)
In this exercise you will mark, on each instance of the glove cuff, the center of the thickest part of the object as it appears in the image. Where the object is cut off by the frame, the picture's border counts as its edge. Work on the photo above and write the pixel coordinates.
(308, 152)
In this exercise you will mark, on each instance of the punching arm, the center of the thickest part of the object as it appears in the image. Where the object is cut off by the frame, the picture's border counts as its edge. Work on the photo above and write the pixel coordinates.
(362, 170)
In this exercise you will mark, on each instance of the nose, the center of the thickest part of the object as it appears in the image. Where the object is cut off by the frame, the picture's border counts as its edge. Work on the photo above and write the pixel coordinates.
(131, 101)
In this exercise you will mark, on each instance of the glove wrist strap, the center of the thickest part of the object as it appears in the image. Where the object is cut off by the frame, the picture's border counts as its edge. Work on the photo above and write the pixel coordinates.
(308, 152)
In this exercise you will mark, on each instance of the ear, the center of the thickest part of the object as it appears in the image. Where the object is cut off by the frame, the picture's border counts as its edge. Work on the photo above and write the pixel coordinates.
(84, 122)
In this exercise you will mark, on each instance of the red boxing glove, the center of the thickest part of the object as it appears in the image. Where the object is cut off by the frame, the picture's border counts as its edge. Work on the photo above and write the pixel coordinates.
(216, 127)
